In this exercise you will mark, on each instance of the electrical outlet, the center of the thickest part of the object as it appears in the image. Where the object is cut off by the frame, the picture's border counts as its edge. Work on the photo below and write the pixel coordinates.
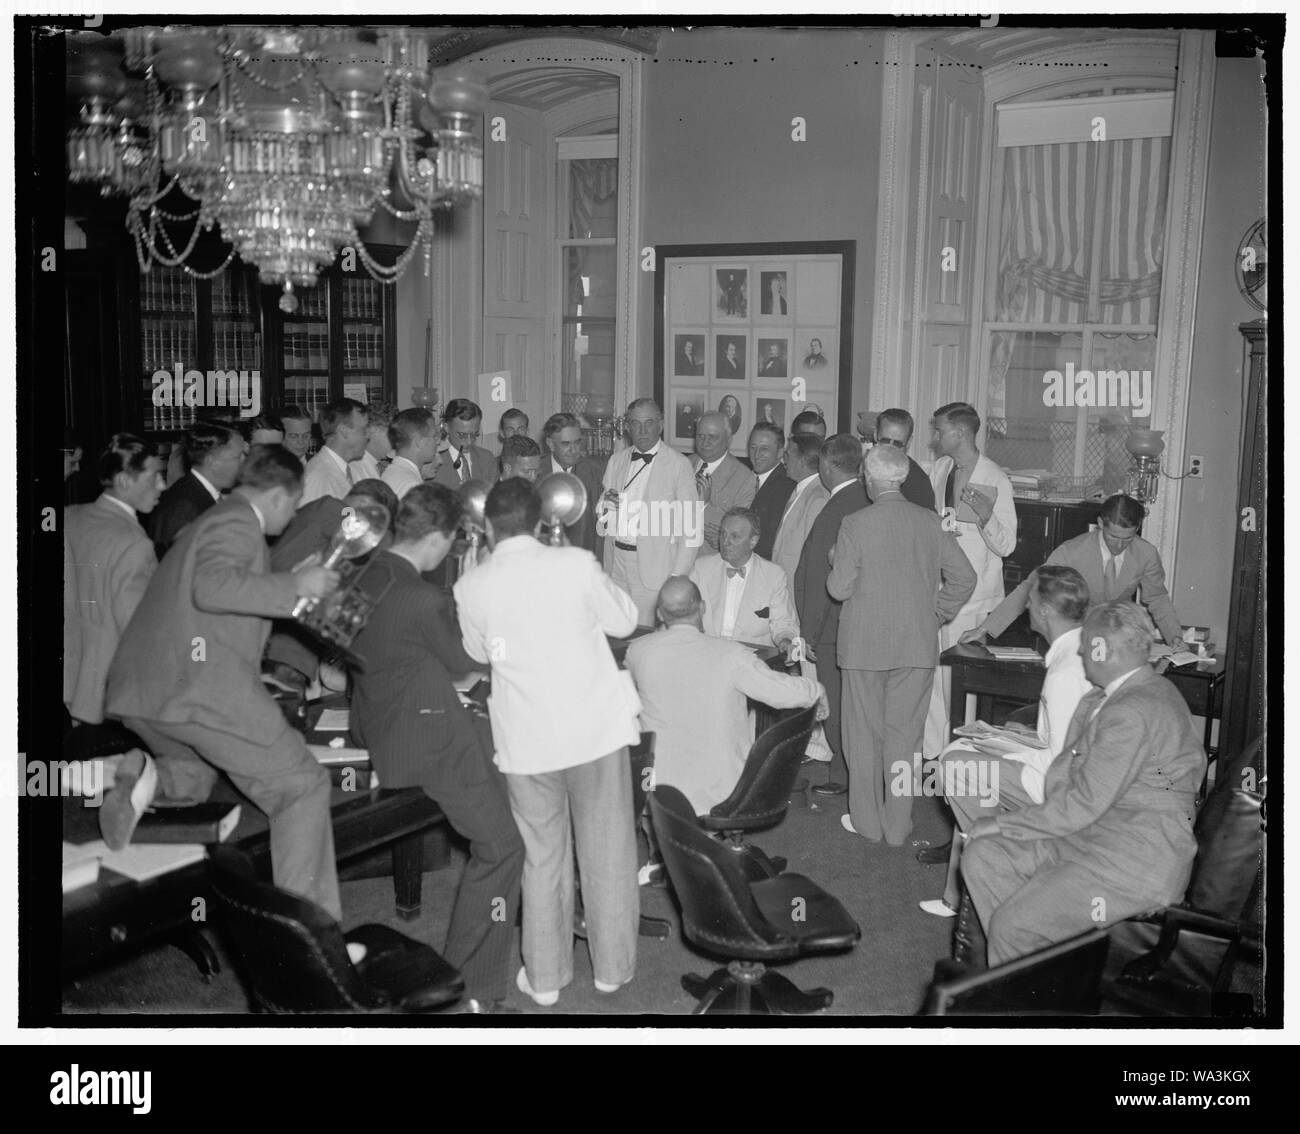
(1196, 467)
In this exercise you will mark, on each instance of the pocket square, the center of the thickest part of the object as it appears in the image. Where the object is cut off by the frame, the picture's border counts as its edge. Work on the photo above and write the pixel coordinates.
(766, 612)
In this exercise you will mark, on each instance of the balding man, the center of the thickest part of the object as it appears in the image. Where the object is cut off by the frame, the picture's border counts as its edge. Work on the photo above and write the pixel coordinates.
(649, 514)
(900, 576)
(721, 480)
(693, 691)
(1113, 835)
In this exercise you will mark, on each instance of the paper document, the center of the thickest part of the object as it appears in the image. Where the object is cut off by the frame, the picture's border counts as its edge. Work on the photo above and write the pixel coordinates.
(333, 720)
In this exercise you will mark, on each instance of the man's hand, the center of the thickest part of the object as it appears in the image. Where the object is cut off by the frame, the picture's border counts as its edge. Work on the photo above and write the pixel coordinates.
(980, 504)
(315, 582)
(823, 707)
(986, 825)
(978, 635)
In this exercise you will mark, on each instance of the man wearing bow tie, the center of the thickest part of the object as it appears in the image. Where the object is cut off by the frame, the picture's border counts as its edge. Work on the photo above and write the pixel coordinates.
(1113, 835)
(745, 598)
(649, 514)
(462, 421)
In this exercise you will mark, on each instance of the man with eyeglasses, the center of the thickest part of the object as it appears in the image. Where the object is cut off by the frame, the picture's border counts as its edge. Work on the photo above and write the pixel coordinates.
(895, 427)
(650, 513)
(465, 459)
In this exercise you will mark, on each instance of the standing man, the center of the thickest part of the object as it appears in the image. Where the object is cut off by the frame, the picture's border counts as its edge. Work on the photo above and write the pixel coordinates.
(563, 717)
(562, 439)
(840, 468)
(513, 423)
(900, 577)
(650, 513)
(462, 422)
(745, 597)
(772, 487)
(694, 691)
(107, 564)
(809, 421)
(895, 427)
(378, 453)
(721, 481)
(521, 456)
(214, 454)
(297, 431)
(408, 715)
(802, 461)
(1113, 835)
(344, 425)
(414, 438)
(975, 500)
(186, 680)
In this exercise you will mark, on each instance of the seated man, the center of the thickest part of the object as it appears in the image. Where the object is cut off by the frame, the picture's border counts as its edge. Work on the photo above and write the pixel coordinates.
(407, 713)
(745, 597)
(521, 456)
(1058, 601)
(1113, 835)
(693, 691)
(186, 680)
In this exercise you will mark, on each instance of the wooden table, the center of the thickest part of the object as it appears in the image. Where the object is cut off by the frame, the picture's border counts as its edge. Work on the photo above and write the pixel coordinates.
(975, 670)
(118, 914)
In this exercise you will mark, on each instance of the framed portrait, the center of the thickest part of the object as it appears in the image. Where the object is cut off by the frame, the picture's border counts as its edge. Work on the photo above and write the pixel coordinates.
(731, 294)
(772, 357)
(689, 355)
(684, 412)
(770, 322)
(729, 357)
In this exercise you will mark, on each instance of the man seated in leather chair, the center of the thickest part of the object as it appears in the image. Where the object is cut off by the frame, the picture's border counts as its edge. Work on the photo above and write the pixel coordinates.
(1113, 835)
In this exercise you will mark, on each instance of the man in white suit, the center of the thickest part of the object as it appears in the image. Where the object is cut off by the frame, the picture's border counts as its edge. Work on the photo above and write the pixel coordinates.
(802, 460)
(650, 514)
(563, 716)
(746, 598)
(721, 480)
(975, 500)
(693, 691)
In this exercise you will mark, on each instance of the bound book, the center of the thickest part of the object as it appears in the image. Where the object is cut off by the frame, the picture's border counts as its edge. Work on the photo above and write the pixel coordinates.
(201, 824)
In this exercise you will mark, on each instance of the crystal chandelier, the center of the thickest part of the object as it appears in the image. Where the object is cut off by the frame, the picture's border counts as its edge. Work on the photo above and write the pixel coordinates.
(288, 139)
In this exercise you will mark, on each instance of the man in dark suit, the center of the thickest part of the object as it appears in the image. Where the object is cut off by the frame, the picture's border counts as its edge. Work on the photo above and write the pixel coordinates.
(186, 680)
(1113, 835)
(840, 469)
(900, 576)
(407, 713)
(213, 454)
(895, 427)
(563, 444)
(772, 486)
(462, 422)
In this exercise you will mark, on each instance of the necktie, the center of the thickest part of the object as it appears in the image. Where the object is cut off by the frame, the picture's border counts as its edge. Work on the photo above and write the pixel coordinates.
(732, 572)
(352, 477)
(758, 483)
(1112, 580)
(383, 465)
(702, 479)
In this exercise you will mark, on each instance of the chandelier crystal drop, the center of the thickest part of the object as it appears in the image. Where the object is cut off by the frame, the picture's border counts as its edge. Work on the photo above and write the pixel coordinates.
(287, 139)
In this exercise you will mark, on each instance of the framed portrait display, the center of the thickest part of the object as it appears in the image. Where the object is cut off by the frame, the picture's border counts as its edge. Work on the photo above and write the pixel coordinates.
(757, 332)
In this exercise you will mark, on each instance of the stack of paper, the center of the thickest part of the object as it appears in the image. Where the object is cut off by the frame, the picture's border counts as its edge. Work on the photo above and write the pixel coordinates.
(140, 861)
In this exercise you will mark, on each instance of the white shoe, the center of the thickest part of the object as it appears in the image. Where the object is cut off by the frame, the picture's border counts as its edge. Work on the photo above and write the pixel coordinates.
(846, 821)
(938, 907)
(545, 999)
(601, 986)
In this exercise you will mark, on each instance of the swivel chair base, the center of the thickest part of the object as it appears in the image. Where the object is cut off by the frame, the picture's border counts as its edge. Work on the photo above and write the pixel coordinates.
(751, 988)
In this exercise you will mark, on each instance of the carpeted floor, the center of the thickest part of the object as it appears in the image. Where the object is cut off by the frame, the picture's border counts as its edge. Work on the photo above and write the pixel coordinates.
(885, 975)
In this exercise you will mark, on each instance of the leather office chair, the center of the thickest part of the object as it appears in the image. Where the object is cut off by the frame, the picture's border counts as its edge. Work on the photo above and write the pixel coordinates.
(750, 923)
(296, 959)
(761, 796)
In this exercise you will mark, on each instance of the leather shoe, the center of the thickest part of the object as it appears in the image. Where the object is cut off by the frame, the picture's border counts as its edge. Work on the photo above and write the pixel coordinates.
(934, 856)
(830, 787)
(134, 787)
(473, 1007)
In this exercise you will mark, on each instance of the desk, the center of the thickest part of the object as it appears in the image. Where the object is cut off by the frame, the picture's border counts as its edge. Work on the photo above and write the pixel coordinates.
(117, 914)
(975, 670)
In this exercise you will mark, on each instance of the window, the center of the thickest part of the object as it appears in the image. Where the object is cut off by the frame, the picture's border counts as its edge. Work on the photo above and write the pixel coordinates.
(1073, 296)
(587, 227)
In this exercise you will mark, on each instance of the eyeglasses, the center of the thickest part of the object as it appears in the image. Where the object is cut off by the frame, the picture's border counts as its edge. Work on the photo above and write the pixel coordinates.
(891, 441)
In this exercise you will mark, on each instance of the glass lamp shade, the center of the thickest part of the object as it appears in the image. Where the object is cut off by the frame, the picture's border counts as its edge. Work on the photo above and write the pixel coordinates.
(1145, 442)
(189, 64)
(425, 397)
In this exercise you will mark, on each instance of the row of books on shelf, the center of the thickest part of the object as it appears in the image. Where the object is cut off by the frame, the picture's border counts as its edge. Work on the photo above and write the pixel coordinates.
(361, 299)
(363, 349)
(166, 289)
(166, 342)
(306, 350)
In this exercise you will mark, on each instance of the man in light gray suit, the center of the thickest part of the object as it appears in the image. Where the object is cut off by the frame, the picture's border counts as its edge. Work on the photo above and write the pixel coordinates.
(1113, 835)
(802, 460)
(889, 563)
(722, 481)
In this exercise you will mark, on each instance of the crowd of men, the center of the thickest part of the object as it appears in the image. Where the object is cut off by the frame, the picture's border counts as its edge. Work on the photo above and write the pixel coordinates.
(855, 565)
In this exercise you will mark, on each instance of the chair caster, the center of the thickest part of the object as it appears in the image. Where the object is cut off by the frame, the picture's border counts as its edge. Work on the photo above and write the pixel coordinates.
(749, 988)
